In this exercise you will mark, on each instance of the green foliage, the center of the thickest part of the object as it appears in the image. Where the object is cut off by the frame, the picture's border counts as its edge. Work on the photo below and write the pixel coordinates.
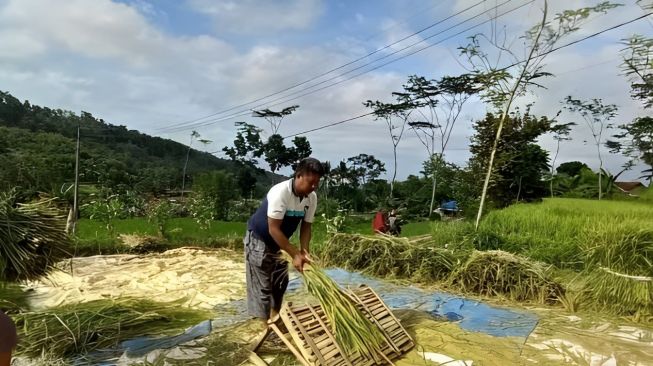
(213, 193)
(32, 238)
(37, 153)
(638, 66)
(105, 210)
(520, 164)
(160, 212)
(241, 210)
(202, 209)
(636, 141)
(571, 168)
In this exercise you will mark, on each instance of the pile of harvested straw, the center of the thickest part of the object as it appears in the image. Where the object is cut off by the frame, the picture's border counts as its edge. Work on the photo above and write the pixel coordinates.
(32, 238)
(384, 255)
(499, 273)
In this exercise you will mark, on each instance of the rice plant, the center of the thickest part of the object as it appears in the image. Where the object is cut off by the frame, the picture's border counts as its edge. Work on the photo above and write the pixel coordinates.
(619, 267)
(32, 238)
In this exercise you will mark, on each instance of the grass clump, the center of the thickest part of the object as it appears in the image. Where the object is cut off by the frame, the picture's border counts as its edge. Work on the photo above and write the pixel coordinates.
(498, 273)
(80, 328)
(353, 331)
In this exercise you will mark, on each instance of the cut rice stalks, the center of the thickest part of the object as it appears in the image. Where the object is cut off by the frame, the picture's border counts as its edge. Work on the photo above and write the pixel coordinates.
(389, 256)
(499, 273)
(81, 328)
(353, 331)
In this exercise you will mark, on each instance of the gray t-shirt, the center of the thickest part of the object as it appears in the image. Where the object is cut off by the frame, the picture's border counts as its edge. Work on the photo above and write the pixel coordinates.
(8, 337)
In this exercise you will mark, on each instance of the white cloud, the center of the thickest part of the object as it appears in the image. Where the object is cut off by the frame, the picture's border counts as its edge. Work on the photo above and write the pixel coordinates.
(253, 16)
(109, 59)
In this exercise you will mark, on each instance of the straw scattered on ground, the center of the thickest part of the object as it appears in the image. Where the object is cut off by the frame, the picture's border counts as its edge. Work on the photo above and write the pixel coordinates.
(82, 328)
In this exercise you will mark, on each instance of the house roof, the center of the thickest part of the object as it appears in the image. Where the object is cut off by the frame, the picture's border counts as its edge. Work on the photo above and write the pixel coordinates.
(628, 186)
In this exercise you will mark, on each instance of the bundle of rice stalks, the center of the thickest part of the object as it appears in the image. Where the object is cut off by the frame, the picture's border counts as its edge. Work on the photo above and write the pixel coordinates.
(498, 273)
(619, 267)
(32, 238)
(353, 331)
(81, 328)
(384, 255)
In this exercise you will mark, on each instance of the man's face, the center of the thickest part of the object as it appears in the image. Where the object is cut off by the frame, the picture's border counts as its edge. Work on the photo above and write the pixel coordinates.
(306, 183)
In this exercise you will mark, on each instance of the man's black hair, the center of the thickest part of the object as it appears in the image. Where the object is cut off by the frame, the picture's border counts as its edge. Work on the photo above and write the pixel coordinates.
(310, 165)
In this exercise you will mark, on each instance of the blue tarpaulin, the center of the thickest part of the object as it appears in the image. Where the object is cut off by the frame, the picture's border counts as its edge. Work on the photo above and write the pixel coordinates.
(471, 314)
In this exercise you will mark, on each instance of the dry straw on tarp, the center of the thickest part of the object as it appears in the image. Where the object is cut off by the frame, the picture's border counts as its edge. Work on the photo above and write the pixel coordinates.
(499, 273)
(81, 328)
(353, 331)
(32, 238)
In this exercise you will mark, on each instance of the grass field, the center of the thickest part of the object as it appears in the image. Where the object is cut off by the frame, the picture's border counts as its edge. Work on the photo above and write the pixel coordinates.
(93, 237)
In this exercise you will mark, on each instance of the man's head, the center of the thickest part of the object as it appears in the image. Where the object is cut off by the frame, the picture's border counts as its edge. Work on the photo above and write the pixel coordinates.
(307, 176)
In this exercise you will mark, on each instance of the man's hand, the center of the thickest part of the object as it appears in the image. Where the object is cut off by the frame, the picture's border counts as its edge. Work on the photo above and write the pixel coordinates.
(299, 259)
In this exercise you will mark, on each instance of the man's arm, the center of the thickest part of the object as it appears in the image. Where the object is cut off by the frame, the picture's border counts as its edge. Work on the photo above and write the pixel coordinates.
(305, 233)
(298, 258)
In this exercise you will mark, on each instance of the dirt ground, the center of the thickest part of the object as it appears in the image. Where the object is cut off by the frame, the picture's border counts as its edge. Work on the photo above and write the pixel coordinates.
(209, 279)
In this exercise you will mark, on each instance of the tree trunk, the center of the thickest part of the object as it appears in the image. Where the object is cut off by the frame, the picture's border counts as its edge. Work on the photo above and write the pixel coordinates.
(394, 174)
(183, 175)
(433, 188)
(504, 115)
(553, 164)
(598, 149)
(519, 189)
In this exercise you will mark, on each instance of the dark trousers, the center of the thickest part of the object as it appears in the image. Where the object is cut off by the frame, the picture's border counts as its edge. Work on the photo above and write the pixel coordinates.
(267, 277)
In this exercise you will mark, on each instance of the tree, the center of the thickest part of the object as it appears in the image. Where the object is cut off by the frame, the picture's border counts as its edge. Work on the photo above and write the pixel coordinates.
(500, 87)
(216, 189)
(444, 100)
(193, 136)
(638, 67)
(636, 141)
(597, 117)
(274, 118)
(396, 117)
(248, 146)
(365, 168)
(519, 162)
(560, 133)
(278, 155)
(571, 168)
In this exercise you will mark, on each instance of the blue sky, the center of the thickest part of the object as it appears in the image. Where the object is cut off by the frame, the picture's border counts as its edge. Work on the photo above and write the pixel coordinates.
(151, 64)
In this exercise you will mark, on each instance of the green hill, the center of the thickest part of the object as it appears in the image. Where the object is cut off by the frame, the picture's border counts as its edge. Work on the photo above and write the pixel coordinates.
(37, 153)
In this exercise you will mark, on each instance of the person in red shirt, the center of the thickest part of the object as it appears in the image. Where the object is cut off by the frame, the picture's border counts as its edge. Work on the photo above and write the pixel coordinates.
(380, 222)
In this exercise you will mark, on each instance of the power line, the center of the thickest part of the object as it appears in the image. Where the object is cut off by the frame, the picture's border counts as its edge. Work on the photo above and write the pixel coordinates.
(330, 71)
(505, 68)
(245, 112)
